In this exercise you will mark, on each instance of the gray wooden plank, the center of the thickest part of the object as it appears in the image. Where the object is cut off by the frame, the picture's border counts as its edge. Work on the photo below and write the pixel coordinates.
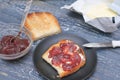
(108, 59)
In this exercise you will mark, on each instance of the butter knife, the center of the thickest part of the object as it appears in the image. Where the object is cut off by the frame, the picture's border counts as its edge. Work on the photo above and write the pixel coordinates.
(112, 44)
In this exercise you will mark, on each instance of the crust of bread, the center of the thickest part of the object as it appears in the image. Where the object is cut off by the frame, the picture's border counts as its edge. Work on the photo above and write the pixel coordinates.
(42, 24)
(60, 71)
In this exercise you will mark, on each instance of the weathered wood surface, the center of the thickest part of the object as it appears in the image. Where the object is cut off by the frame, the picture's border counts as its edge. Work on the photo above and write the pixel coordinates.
(108, 65)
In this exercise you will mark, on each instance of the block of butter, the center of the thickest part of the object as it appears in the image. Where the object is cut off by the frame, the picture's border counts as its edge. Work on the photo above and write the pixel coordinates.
(100, 10)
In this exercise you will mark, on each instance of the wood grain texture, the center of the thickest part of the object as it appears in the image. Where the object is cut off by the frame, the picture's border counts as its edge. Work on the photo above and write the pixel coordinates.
(108, 65)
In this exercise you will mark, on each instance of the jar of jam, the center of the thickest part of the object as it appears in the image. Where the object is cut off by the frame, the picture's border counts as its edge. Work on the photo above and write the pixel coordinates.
(12, 47)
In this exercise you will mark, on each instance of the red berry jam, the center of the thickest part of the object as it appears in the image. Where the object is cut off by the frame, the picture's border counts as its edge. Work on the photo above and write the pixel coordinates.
(66, 55)
(11, 45)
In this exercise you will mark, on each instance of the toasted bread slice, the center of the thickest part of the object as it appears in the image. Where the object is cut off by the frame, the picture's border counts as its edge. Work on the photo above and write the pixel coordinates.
(59, 68)
(42, 24)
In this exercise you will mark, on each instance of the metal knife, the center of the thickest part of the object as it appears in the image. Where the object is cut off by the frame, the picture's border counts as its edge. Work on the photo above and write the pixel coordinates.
(112, 44)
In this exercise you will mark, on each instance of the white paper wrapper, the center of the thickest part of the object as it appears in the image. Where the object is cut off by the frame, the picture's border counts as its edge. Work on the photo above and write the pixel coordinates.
(96, 13)
(115, 6)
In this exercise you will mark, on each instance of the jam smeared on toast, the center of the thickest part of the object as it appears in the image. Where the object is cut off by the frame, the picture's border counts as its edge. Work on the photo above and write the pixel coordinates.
(65, 55)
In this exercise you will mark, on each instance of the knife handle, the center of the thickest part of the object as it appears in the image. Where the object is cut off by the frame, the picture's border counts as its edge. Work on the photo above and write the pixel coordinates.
(116, 43)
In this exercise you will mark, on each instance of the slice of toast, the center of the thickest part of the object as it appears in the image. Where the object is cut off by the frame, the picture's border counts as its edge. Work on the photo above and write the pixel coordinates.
(42, 24)
(58, 66)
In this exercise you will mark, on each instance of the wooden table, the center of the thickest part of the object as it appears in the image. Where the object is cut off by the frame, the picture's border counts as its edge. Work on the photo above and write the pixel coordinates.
(108, 64)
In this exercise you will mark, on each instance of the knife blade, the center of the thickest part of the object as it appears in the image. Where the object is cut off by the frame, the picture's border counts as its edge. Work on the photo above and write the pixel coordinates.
(112, 44)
